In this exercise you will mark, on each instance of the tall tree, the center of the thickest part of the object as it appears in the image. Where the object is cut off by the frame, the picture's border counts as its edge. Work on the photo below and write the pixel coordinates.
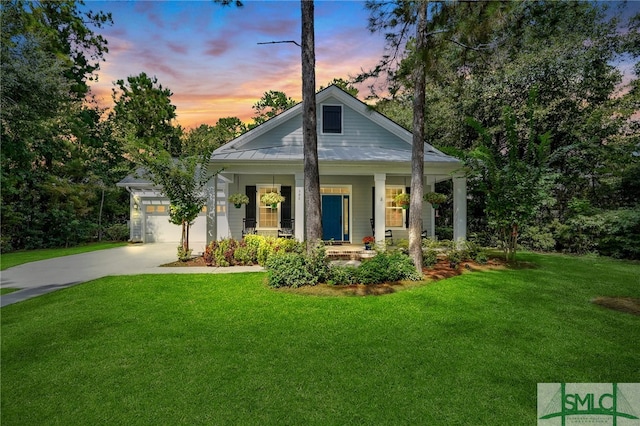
(313, 221)
(417, 149)
(512, 162)
(47, 197)
(143, 113)
(271, 104)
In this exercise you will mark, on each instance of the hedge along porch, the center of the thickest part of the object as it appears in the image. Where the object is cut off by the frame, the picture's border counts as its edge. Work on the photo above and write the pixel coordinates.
(364, 160)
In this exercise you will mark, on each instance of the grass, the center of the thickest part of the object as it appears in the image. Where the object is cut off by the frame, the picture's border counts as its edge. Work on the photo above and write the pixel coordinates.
(225, 349)
(11, 259)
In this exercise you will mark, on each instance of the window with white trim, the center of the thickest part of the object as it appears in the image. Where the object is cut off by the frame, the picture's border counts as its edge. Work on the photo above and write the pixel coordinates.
(268, 218)
(393, 213)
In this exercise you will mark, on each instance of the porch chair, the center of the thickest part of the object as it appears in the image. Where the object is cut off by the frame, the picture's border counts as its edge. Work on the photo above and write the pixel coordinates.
(248, 226)
(286, 229)
(388, 233)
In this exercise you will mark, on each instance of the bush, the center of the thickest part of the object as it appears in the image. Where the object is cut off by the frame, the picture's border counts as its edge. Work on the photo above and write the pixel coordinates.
(342, 274)
(183, 255)
(429, 257)
(117, 232)
(387, 267)
(537, 238)
(289, 270)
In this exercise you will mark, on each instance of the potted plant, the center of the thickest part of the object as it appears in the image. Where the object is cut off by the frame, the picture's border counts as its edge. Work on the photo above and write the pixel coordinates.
(368, 240)
(435, 199)
(272, 198)
(238, 199)
(402, 200)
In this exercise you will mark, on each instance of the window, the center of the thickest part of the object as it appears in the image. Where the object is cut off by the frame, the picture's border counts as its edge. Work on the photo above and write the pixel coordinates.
(393, 214)
(267, 217)
(332, 119)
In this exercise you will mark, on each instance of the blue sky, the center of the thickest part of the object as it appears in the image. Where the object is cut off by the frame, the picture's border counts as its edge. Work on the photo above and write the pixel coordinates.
(209, 58)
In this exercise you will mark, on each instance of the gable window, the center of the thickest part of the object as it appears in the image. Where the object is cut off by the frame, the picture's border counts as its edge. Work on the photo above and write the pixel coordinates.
(332, 119)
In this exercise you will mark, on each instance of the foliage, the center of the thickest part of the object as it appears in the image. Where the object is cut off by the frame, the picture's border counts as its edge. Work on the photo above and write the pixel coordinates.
(511, 164)
(144, 116)
(271, 198)
(368, 239)
(183, 255)
(537, 238)
(342, 274)
(117, 232)
(271, 104)
(289, 270)
(387, 267)
(434, 198)
(58, 158)
(238, 198)
(583, 100)
(252, 250)
(429, 257)
(402, 199)
(611, 233)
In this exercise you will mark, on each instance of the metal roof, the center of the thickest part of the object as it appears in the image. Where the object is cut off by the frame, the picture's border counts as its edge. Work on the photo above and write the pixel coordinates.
(332, 153)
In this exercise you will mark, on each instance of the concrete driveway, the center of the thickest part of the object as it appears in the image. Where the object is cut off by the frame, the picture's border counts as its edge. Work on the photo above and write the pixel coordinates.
(45, 276)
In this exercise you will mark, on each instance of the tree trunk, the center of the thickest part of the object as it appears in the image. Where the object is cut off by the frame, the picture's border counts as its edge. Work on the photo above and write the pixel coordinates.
(313, 221)
(417, 151)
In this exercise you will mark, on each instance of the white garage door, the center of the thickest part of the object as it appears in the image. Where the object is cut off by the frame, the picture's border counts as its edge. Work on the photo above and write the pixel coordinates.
(158, 229)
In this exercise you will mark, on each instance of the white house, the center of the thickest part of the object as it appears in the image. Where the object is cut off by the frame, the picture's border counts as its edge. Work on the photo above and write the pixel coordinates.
(364, 160)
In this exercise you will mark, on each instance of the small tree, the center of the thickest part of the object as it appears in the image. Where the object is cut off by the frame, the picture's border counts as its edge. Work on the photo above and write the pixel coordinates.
(144, 117)
(512, 175)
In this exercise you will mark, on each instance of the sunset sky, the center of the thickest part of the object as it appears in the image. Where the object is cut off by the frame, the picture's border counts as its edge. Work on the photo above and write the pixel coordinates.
(209, 58)
(208, 55)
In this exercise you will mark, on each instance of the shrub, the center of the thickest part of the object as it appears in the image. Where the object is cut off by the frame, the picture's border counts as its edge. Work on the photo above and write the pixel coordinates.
(183, 255)
(317, 263)
(117, 232)
(288, 270)
(243, 255)
(429, 257)
(342, 274)
(455, 256)
(537, 238)
(385, 267)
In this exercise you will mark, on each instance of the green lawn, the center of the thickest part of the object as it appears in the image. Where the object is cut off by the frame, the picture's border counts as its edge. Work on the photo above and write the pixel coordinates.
(225, 349)
(8, 260)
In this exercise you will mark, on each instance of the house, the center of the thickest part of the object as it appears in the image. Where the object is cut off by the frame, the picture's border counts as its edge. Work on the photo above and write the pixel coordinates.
(364, 161)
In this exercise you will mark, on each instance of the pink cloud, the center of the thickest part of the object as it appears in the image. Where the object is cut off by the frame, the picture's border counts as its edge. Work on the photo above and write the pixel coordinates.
(217, 47)
(177, 48)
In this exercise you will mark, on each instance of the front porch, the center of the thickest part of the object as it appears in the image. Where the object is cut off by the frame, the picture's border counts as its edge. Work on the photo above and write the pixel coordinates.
(353, 207)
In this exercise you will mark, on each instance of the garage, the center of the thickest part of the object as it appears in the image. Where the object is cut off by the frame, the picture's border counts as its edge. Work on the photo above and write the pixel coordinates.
(158, 229)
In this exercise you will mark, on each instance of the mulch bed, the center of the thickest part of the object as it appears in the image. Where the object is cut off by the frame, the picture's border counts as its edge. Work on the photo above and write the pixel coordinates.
(629, 305)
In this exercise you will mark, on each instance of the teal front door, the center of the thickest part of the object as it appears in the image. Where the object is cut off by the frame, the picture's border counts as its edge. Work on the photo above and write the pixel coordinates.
(332, 217)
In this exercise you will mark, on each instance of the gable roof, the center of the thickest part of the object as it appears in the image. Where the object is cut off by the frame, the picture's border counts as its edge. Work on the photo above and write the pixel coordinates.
(280, 138)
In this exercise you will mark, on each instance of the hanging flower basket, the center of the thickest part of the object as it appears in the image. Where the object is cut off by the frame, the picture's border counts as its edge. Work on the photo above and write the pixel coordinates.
(402, 200)
(435, 199)
(238, 199)
(272, 199)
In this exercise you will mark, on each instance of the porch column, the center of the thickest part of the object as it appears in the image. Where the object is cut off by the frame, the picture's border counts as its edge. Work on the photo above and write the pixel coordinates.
(459, 209)
(379, 206)
(431, 229)
(299, 207)
(212, 214)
